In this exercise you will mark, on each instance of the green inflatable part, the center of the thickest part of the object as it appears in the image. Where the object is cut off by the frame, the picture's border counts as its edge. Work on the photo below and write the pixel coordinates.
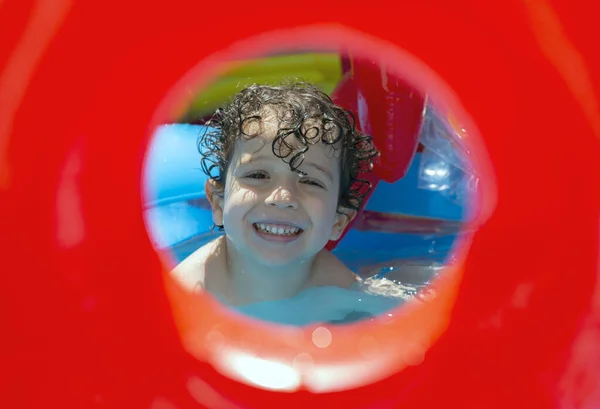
(323, 70)
(328, 64)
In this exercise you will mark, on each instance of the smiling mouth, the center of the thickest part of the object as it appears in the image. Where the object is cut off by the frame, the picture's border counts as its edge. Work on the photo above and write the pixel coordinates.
(277, 229)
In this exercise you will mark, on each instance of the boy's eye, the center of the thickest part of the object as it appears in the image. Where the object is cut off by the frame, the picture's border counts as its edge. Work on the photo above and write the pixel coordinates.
(257, 175)
(313, 183)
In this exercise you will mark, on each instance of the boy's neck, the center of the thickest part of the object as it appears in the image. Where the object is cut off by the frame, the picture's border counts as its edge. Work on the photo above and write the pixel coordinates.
(251, 282)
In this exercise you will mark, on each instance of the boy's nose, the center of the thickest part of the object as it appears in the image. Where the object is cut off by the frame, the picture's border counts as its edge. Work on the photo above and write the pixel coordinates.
(283, 198)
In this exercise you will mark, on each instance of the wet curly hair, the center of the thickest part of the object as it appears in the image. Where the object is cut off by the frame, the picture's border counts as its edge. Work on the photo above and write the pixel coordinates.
(306, 116)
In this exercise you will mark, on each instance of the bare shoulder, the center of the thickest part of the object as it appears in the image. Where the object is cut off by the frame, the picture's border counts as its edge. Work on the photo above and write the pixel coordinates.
(329, 270)
(191, 272)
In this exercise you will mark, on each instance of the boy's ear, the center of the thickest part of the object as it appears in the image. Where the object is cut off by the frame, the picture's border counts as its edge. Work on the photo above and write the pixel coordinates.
(342, 220)
(214, 194)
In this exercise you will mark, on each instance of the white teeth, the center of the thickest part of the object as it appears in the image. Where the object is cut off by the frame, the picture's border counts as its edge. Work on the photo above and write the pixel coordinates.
(277, 230)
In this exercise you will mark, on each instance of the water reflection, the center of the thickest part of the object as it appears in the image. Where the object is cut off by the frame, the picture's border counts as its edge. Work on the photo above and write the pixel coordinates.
(404, 279)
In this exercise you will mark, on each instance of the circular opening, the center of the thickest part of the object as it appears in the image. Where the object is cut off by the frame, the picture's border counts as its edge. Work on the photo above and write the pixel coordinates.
(404, 247)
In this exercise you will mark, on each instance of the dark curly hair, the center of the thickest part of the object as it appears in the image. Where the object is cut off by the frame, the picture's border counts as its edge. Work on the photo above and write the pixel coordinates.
(306, 116)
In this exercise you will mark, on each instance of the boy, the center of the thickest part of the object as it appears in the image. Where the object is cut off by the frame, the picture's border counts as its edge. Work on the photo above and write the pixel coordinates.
(283, 165)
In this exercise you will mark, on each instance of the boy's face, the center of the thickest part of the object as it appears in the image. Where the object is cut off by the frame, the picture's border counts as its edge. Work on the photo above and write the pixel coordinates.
(273, 214)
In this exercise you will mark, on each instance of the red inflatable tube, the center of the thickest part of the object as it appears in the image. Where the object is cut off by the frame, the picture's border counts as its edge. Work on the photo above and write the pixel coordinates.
(90, 319)
(388, 109)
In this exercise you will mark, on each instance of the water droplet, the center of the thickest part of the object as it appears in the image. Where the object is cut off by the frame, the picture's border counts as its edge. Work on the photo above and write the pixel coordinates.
(321, 337)
(162, 403)
(303, 361)
(214, 340)
(415, 354)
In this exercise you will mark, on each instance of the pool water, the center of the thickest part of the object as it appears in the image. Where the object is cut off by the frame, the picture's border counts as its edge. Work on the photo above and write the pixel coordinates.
(327, 304)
